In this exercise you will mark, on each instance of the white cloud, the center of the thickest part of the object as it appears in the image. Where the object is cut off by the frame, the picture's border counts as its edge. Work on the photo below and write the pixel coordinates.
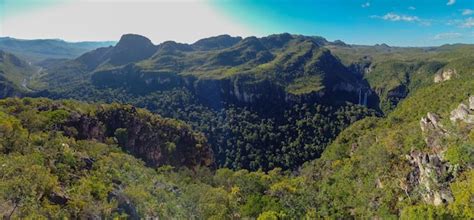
(467, 12)
(468, 23)
(396, 17)
(451, 2)
(366, 5)
(403, 18)
(411, 8)
(447, 36)
(160, 20)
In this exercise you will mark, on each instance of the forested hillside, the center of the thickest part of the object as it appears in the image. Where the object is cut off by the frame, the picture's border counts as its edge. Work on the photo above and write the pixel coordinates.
(263, 103)
(268, 102)
(64, 159)
(278, 127)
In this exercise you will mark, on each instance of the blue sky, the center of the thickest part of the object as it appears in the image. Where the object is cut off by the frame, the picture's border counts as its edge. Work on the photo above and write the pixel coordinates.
(401, 23)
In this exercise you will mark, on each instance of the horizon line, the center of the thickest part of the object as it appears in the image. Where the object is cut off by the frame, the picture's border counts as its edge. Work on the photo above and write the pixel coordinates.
(243, 37)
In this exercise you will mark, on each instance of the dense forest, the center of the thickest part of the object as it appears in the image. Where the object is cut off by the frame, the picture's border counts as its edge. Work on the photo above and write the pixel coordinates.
(279, 127)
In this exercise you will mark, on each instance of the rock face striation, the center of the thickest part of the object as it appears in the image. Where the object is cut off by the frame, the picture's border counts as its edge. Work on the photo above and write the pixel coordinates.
(431, 173)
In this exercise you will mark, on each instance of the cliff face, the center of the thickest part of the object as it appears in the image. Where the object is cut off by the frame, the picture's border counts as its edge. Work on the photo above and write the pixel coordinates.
(157, 141)
(136, 80)
(248, 74)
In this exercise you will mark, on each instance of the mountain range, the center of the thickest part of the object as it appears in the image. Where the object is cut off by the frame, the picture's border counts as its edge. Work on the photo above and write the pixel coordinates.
(276, 127)
(39, 50)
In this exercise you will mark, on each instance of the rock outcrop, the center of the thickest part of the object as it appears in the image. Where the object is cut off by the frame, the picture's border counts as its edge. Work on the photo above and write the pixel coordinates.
(464, 112)
(433, 130)
(431, 173)
(444, 75)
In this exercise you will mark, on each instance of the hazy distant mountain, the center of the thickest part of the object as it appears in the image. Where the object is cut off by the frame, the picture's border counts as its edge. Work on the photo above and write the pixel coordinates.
(38, 50)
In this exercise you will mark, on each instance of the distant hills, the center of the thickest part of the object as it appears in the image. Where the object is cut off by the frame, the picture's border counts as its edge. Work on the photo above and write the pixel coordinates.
(38, 50)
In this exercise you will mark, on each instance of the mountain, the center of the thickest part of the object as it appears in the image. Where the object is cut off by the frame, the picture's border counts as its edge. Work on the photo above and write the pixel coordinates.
(283, 126)
(266, 84)
(282, 63)
(261, 82)
(39, 50)
(131, 48)
(217, 42)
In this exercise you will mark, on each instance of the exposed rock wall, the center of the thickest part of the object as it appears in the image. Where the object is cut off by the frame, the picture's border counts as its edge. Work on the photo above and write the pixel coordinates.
(464, 112)
(431, 173)
(155, 140)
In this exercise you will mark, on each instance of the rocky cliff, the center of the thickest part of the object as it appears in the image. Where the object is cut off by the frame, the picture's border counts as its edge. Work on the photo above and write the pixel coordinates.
(155, 140)
(432, 173)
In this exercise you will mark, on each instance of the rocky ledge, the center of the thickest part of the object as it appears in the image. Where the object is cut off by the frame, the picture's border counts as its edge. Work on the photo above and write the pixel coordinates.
(431, 173)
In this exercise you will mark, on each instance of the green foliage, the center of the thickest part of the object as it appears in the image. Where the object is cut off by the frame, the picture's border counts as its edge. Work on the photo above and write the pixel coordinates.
(12, 134)
(45, 174)
(270, 215)
(122, 136)
(461, 154)
(463, 191)
(357, 176)
(425, 212)
(64, 159)
(305, 85)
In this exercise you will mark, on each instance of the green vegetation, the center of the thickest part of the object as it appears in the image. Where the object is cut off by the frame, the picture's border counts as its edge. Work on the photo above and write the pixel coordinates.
(395, 73)
(255, 128)
(53, 172)
(305, 85)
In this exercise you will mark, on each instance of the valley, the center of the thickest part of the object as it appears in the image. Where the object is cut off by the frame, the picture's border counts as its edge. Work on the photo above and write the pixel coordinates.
(276, 127)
